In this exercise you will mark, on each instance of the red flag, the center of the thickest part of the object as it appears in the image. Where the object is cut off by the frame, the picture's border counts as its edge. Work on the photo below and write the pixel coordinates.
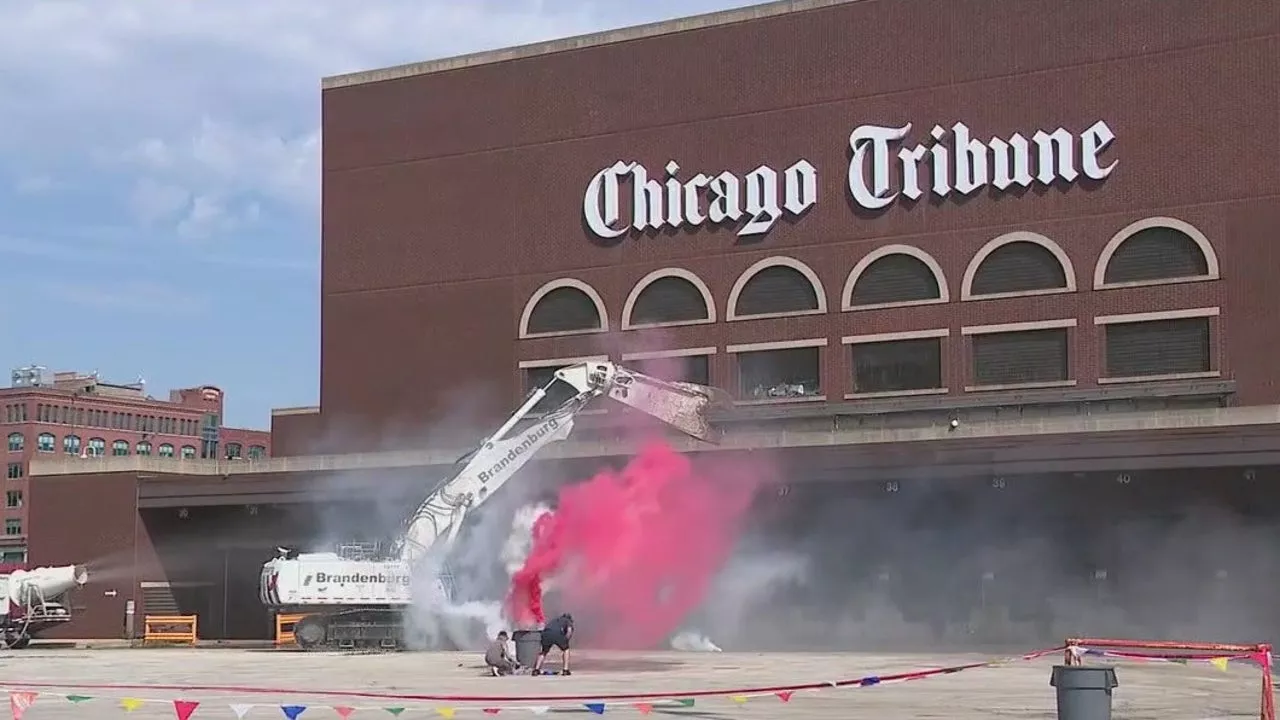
(492, 711)
(19, 702)
(344, 711)
(184, 708)
(644, 708)
(785, 695)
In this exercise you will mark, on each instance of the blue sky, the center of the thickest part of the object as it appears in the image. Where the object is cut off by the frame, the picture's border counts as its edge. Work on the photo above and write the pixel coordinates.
(160, 179)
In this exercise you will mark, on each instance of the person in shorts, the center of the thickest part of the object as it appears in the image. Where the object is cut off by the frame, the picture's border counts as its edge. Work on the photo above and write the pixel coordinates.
(558, 633)
(498, 656)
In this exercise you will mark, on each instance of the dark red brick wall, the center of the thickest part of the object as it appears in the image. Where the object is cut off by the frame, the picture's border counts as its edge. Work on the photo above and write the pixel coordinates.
(246, 438)
(300, 434)
(449, 198)
(93, 520)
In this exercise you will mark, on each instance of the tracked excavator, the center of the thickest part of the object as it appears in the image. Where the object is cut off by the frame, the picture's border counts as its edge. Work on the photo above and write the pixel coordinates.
(29, 601)
(361, 601)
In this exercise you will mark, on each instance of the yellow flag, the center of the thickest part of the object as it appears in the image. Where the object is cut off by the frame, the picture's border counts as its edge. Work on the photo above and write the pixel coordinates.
(130, 704)
(740, 699)
(445, 712)
(1220, 663)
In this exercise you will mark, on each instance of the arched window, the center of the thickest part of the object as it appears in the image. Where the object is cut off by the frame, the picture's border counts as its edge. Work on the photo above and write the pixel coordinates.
(561, 307)
(143, 448)
(120, 448)
(97, 447)
(892, 275)
(16, 442)
(1154, 251)
(1019, 262)
(776, 286)
(165, 450)
(668, 296)
(46, 442)
(257, 452)
(71, 444)
(233, 451)
(188, 452)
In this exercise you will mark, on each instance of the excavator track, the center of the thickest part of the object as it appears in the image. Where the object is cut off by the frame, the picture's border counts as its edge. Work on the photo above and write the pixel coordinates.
(360, 629)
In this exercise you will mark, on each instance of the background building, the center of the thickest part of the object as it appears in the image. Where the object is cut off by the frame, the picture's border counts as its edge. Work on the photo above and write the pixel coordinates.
(78, 417)
(1034, 314)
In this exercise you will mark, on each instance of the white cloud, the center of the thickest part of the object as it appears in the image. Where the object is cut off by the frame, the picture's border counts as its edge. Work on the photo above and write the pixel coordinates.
(212, 176)
(152, 201)
(217, 103)
(225, 158)
(34, 184)
(134, 296)
(211, 108)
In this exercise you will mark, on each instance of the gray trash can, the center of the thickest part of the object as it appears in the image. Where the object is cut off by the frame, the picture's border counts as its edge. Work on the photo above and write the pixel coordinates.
(528, 646)
(1084, 693)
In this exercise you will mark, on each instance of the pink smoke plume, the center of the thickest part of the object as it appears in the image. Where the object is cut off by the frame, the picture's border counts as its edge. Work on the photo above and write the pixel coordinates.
(635, 551)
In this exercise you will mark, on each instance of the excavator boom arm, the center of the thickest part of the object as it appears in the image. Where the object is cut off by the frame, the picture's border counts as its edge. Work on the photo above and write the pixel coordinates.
(438, 519)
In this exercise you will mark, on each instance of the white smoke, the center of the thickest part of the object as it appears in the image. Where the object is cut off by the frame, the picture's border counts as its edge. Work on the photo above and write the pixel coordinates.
(439, 623)
(519, 543)
(749, 579)
(693, 641)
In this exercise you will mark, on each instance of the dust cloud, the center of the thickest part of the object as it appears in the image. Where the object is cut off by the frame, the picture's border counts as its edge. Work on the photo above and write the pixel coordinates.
(909, 563)
(1000, 562)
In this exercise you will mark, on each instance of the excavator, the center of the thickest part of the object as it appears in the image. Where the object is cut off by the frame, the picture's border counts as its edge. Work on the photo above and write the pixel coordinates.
(363, 601)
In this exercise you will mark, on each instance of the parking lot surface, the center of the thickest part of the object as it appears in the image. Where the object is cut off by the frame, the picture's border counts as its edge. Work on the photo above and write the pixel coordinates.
(267, 680)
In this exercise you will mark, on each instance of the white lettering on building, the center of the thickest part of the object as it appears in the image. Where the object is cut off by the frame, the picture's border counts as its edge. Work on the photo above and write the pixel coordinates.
(758, 200)
(955, 161)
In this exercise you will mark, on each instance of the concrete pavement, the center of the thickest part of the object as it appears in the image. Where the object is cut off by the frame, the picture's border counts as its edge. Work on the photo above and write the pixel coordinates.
(1020, 689)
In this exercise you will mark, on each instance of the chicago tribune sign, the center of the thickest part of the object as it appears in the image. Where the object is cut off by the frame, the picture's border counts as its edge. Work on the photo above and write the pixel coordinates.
(882, 169)
(674, 203)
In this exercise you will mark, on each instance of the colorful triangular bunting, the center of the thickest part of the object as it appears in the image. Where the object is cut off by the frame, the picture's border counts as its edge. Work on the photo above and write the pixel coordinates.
(184, 708)
(293, 711)
(740, 699)
(644, 708)
(242, 710)
(785, 695)
(492, 711)
(1220, 663)
(685, 702)
(394, 710)
(130, 704)
(79, 698)
(539, 709)
(595, 707)
(20, 701)
(445, 712)
(343, 711)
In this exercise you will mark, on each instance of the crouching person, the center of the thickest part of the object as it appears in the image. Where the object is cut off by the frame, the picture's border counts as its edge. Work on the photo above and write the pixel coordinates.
(498, 656)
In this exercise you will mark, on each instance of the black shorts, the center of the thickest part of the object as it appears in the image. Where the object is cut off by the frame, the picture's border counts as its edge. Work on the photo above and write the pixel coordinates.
(550, 640)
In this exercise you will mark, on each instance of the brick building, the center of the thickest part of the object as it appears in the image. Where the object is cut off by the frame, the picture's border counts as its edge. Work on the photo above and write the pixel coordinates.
(80, 418)
(1020, 250)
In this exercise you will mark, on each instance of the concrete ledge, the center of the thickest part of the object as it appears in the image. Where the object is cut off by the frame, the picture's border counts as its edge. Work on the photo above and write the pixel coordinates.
(301, 410)
(609, 37)
(834, 431)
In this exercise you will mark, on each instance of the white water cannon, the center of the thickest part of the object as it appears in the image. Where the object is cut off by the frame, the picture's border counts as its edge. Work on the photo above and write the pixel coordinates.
(31, 587)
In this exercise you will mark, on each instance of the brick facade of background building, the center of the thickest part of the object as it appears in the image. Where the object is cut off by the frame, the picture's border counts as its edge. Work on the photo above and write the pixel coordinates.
(68, 414)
